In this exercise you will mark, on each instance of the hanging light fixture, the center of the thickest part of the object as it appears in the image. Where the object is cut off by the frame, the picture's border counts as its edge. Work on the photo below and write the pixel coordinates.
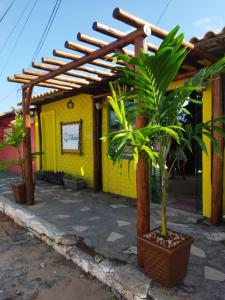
(70, 104)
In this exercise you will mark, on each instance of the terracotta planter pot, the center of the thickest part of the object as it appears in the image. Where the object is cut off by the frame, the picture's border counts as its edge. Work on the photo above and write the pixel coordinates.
(19, 192)
(164, 265)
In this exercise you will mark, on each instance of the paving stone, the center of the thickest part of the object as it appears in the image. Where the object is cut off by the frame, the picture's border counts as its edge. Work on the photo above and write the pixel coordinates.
(80, 228)
(94, 218)
(62, 216)
(197, 251)
(85, 209)
(213, 274)
(122, 223)
(117, 205)
(68, 201)
(114, 236)
(132, 250)
(215, 236)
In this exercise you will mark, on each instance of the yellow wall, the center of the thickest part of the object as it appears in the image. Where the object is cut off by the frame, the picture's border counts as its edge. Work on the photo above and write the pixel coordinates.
(113, 180)
(74, 163)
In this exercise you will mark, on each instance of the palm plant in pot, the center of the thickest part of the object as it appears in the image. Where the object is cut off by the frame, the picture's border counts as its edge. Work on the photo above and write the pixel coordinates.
(165, 252)
(15, 139)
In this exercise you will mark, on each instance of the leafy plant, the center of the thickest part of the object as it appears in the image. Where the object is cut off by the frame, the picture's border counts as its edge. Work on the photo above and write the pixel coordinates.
(148, 81)
(15, 139)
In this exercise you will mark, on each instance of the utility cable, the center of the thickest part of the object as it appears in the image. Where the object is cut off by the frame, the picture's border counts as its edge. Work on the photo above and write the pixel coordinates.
(18, 38)
(7, 10)
(47, 29)
(14, 27)
(163, 12)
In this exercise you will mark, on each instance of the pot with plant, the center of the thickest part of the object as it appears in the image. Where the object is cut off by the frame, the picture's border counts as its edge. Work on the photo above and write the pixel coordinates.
(164, 252)
(15, 139)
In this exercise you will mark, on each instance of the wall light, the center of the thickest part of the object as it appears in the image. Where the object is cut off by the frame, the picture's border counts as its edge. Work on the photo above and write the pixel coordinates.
(70, 104)
(98, 105)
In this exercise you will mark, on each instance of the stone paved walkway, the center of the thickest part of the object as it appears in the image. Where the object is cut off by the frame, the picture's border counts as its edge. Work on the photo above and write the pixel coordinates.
(106, 223)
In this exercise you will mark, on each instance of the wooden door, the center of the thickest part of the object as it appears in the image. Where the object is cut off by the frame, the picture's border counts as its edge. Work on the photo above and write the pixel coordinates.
(48, 141)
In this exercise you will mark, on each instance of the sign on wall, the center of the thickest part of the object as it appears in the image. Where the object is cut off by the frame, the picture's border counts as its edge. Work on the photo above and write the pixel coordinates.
(71, 137)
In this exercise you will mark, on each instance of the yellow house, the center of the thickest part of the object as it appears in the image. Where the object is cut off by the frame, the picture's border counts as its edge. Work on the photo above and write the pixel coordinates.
(71, 120)
(92, 162)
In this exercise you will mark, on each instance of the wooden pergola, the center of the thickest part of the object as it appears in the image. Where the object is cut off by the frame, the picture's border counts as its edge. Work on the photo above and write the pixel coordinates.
(75, 75)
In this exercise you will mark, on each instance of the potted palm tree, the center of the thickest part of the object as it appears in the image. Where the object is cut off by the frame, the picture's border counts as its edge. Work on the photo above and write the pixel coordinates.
(165, 252)
(15, 139)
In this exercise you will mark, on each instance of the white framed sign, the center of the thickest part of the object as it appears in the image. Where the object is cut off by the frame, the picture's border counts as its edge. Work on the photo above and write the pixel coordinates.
(71, 137)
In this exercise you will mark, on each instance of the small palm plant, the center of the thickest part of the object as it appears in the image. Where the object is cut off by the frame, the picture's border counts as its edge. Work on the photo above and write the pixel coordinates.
(15, 139)
(149, 84)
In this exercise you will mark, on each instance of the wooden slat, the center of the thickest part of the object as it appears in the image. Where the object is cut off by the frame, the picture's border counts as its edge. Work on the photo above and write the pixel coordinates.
(53, 81)
(59, 63)
(61, 78)
(140, 32)
(136, 22)
(73, 74)
(115, 33)
(46, 85)
(98, 43)
(75, 57)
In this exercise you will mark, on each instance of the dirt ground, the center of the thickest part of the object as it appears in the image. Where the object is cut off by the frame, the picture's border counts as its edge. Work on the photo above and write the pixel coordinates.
(29, 269)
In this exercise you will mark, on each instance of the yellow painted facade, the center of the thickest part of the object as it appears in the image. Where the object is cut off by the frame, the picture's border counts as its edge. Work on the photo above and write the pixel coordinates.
(79, 165)
(116, 181)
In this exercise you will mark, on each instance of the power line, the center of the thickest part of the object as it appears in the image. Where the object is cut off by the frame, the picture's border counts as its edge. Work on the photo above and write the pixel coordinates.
(163, 12)
(47, 29)
(7, 10)
(19, 36)
(14, 27)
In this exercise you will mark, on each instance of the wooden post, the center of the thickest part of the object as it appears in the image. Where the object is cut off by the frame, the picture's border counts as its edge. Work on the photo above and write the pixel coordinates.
(142, 176)
(27, 92)
(97, 151)
(217, 162)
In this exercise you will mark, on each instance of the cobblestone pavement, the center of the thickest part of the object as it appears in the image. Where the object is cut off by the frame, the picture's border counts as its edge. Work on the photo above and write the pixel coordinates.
(29, 269)
(106, 223)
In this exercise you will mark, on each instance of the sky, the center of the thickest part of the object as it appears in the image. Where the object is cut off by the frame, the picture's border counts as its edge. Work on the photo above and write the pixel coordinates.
(19, 40)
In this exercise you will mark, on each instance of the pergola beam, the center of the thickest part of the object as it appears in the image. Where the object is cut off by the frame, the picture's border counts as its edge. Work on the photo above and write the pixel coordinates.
(73, 74)
(136, 22)
(46, 85)
(98, 43)
(49, 62)
(53, 81)
(140, 32)
(117, 34)
(76, 57)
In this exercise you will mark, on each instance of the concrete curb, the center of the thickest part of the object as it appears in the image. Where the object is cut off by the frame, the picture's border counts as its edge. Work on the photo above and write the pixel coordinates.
(124, 280)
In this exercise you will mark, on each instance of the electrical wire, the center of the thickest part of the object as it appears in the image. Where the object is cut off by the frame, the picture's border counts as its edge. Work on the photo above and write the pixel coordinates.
(14, 27)
(18, 38)
(47, 29)
(163, 12)
(7, 10)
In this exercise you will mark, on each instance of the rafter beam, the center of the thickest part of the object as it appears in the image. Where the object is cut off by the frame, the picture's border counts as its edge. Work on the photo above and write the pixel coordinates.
(53, 81)
(49, 63)
(46, 85)
(60, 78)
(136, 22)
(75, 57)
(140, 32)
(98, 43)
(117, 34)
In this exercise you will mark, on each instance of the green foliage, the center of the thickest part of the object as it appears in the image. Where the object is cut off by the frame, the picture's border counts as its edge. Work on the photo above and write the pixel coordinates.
(149, 83)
